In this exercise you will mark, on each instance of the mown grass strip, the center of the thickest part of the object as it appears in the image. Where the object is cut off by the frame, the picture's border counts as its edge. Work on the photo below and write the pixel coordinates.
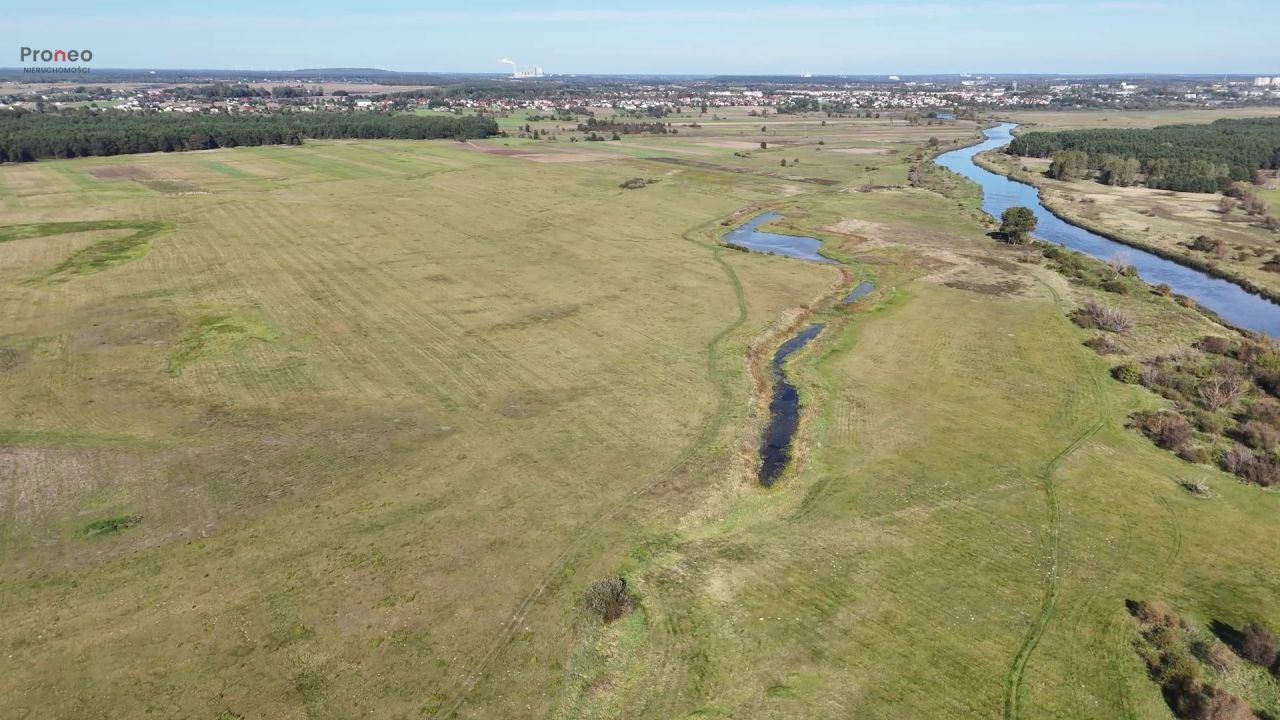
(99, 256)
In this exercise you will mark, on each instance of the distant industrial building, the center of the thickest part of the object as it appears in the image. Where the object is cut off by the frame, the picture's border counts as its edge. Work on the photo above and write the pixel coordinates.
(1266, 81)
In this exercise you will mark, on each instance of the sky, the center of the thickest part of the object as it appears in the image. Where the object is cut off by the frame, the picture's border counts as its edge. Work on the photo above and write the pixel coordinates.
(664, 36)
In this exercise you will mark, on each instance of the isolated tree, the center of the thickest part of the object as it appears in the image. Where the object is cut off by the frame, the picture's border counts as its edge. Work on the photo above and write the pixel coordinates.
(1225, 206)
(1069, 165)
(1017, 223)
(764, 145)
(1118, 170)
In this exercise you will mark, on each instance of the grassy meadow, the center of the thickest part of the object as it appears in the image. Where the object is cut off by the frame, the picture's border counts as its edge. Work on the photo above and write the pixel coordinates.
(347, 428)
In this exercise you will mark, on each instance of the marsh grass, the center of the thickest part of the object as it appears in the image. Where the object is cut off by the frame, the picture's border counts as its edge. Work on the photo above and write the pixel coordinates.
(109, 526)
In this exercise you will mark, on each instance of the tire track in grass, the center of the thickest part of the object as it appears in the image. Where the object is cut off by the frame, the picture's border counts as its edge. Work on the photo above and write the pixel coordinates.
(1016, 675)
(1053, 585)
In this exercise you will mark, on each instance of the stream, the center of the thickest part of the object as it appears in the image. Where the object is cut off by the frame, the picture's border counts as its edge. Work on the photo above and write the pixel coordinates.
(784, 407)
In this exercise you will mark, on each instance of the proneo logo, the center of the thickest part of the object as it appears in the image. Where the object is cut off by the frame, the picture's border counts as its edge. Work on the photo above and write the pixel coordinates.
(32, 55)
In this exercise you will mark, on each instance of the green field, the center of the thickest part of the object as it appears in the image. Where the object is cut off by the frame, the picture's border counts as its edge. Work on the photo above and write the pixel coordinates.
(346, 429)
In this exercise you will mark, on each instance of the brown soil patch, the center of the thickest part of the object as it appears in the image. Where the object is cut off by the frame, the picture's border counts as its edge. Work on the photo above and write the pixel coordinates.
(120, 172)
(10, 358)
(563, 157)
(853, 226)
(1003, 287)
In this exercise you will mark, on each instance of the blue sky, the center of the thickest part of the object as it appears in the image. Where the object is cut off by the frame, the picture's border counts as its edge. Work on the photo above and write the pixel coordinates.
(664, 36)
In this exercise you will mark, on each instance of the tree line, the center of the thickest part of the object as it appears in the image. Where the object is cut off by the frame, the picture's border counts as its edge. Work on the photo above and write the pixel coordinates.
(626, 128)
(25, 137)
(1189, 158)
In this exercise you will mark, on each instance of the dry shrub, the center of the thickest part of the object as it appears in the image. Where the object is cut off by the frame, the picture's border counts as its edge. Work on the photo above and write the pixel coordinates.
(1237, 459)
(1259, 436)
(1167, 429)
(1104, 345)
(1154, 612)
(1208, 702)
(1204, 243)
(1216, 655)
(1220, 390)
(1259, 645)
(1261, 470)
(1095, 314)
(1207, 422)
(1170, 651)
(1268, 380)
(1215, 344)
(1197, 487)
(1259, 354)
(1264, 410)
(1195, 454)
(607, 598)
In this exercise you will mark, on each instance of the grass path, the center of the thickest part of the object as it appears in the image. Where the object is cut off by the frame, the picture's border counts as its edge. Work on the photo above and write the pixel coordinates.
(1016, 676)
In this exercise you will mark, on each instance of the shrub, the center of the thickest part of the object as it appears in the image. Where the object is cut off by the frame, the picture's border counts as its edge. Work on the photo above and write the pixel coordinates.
(1262, 470)
(1268, 380)
(1214, 344)
(1207, 422)
(1153, 612)
(1195, 454)
(1162, 290)
(1264, 410)
(1165, 428)
(1104, 345)
(1220, 390)
(1215, 654)
(1115, 285)
(1259, 436)
(1258, 645)
(1129, 373)
(1237, 459)
(607, 598)
(1094, 314)
(1197, 488)
(1259, 354)
(1204, 243)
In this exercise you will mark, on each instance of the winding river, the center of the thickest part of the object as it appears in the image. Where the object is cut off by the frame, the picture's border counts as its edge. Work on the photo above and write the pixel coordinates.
(1230, 301)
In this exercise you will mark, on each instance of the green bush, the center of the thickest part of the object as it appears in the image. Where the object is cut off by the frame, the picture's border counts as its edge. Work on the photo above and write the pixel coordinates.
(1130, 373)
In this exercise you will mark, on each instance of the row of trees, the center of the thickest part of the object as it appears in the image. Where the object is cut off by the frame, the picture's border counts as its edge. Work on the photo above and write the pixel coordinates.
(626, 128)
(25, 137)
(1190, 158)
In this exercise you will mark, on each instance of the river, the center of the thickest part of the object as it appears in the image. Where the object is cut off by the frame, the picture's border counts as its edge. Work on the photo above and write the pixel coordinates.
(1230, 301)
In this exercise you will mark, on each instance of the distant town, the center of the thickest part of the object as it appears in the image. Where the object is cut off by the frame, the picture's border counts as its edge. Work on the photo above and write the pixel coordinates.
(552, 95)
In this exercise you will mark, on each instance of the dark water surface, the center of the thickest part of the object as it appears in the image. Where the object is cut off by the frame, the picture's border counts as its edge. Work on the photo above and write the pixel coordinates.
(1230, 301)
(861, 291)
(784, 410)
(749, 236)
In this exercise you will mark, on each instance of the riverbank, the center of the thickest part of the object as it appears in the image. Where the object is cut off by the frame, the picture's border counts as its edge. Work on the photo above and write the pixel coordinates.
(1056, 206)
